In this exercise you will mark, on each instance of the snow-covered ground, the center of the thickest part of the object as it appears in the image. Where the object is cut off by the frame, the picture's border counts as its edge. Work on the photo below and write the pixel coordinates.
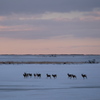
(49, 58)
(13, 86)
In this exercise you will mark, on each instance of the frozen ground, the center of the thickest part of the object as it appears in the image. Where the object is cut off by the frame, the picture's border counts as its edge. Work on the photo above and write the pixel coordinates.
(49, 58)
(13, 86)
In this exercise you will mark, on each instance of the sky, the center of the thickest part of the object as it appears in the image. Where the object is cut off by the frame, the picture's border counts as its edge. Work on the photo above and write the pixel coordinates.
(49, 26)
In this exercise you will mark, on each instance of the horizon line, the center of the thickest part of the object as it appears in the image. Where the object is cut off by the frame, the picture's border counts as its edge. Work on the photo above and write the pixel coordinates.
(50, 54)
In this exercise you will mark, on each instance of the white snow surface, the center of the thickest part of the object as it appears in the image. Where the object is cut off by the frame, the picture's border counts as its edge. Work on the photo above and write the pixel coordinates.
(13, 86)
(49, 58)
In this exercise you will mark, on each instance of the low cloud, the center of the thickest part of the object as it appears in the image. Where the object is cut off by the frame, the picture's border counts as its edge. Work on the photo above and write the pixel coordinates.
(73, 24)
(19, 28)
(51, 29)
(42, 6)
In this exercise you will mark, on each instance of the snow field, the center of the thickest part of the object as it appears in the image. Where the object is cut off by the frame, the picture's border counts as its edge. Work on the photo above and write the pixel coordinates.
(13, 86)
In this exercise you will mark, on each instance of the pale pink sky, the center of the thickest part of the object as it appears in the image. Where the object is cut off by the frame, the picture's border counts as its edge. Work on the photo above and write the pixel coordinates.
(53, 27)
(50, 46)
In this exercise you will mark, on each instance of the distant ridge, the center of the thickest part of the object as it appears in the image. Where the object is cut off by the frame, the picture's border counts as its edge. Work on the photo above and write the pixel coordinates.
(51, 54)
